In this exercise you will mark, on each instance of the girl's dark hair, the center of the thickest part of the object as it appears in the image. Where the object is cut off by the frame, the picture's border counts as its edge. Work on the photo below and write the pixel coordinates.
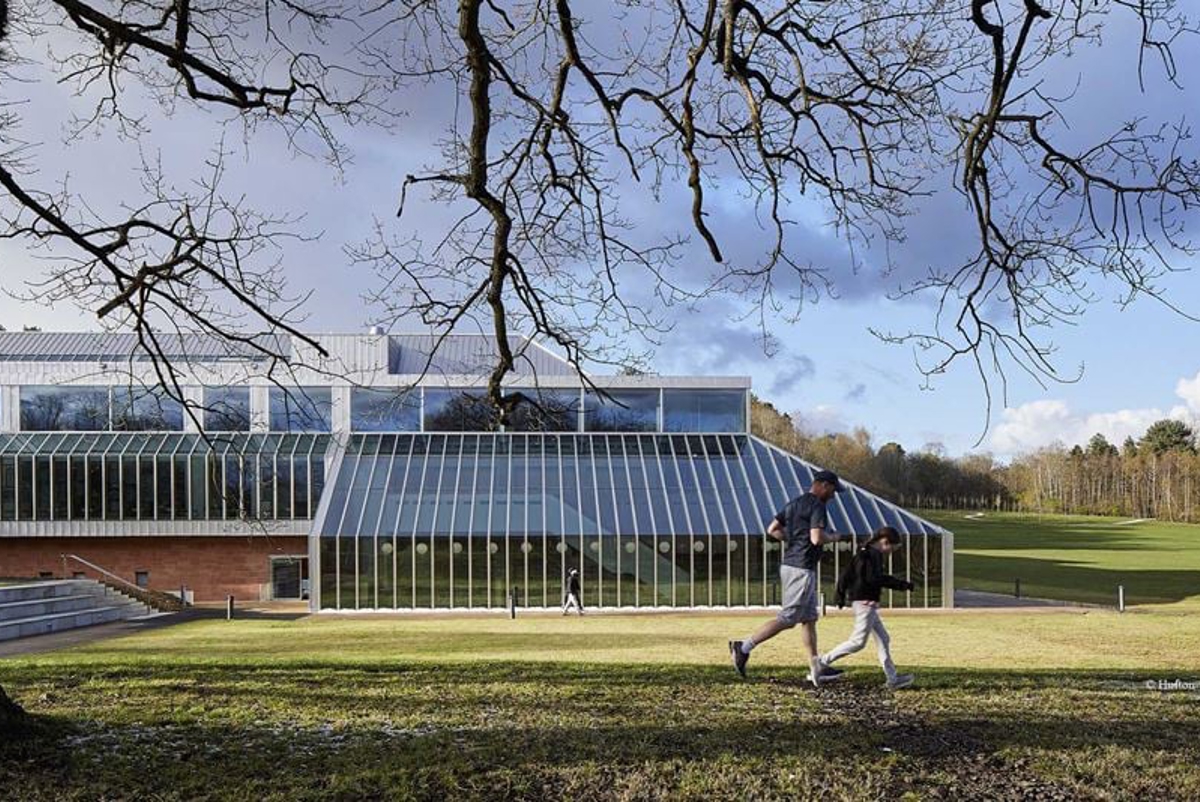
(885, 533)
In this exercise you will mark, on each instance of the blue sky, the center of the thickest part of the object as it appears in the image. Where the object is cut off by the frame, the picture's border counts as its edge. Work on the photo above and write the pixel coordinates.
(1139, 363)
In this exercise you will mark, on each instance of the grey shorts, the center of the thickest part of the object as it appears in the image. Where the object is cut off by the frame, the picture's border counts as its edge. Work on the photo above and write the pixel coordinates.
(799, 595)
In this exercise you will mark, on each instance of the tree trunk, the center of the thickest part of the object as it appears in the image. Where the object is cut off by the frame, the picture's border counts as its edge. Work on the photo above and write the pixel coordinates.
(10, 712)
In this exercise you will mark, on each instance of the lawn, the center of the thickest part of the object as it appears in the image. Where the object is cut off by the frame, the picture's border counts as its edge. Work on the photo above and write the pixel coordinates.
(1075, 557)
(1007, 705)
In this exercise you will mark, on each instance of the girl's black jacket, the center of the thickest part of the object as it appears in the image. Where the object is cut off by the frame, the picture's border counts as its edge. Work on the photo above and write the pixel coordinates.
(864, 578)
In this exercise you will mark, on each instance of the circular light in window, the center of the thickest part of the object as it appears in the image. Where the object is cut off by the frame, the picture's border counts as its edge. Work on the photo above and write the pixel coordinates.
(386, 548)
(664, 546)
(422, 548)
(457, 547)
(733, 545)
(698, 545)
(493, 547)
(561, 548)
(526, 547)
(630, 547)
(594, 545)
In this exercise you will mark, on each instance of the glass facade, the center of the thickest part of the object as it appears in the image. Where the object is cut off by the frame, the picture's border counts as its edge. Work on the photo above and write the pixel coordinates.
(704, 411)
(463, 520)
(621, 411)
(227, 409)
(459, 411)
(545, 410)
(159, 477)
(64, 408)
(385, 409)
(142, 409)
(301, 409)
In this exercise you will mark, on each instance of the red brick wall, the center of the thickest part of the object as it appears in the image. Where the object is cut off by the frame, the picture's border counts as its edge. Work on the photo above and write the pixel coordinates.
(211, 567)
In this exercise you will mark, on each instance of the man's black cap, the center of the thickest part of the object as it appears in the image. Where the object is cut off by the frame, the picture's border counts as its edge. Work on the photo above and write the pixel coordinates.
(831, 477)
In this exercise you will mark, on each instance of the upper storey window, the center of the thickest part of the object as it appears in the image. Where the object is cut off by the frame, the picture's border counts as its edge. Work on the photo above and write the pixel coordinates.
(621, 411)
(227, 409)
(301, 409)
(385, 409)
(65, 409)
(704, 410)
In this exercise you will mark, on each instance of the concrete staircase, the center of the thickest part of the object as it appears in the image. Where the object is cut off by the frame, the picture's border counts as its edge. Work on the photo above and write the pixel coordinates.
(38, 608)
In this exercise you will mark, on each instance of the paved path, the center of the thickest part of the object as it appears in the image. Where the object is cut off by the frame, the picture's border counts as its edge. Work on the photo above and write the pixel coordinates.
(84, 635)
(981, 600)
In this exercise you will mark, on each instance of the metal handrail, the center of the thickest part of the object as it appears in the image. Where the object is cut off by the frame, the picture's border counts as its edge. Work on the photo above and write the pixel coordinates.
(149, 597)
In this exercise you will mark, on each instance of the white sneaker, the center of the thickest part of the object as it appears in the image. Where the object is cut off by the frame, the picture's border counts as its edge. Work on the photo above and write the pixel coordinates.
(900, 681)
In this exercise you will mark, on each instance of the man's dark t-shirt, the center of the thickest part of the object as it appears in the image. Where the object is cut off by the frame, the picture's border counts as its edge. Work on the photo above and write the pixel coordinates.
(799, 516)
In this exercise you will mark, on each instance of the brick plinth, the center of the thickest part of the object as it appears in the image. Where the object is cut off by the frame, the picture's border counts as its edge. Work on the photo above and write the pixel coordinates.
(211, 567)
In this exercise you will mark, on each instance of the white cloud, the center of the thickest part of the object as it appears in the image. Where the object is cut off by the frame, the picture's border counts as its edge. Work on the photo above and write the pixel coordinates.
(1043, 423)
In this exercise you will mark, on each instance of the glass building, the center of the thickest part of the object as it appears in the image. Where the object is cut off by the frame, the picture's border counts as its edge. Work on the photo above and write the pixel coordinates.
(384, 482)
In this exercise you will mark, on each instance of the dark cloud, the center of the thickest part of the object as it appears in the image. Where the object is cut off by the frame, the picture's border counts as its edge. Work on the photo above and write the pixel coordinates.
(857, 393)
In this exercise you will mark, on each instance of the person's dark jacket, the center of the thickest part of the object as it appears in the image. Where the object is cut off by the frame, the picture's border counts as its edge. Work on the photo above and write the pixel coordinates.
(573, 584)
(864, 578)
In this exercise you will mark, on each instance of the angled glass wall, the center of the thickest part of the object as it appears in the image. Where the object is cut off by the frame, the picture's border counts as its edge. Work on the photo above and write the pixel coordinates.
(159, 477)
(462, 520)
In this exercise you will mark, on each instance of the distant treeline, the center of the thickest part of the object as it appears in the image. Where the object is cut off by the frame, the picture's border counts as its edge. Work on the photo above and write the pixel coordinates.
(1156, 476)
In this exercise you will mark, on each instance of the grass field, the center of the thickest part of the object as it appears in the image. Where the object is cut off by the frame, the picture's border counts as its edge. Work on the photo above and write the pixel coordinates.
(1007, 706)
(1076, 558)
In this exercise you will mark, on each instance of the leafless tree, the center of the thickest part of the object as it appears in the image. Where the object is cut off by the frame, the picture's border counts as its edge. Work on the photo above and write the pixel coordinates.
(862, 110)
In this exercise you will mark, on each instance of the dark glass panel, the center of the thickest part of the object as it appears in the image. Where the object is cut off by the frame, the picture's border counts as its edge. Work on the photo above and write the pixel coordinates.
(301, 409)
(459, 411)
(145, 409)
(129, 488)
(329, 561)
(621, 411)
(227, 409)
(180, 480)
(704, 410)
(59, 482)
(301, 488)
(8, 488)
(113, 469)
(379, 409)
(53, 408)
(545, 410)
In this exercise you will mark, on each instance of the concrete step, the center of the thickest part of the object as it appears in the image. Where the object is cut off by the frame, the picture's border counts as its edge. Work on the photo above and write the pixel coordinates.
(57, 622)
(42, 590)
(11, 611)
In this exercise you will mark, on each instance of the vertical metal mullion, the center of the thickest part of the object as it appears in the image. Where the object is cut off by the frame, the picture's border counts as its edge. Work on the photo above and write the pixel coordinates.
(471, 530)
(612, 483)
(763, 477)
(579, 501)
(599, 526)
(433, 520)
(712, 476)
(653, 521)
(417, 521)
(687, 515)
(637, 578)
(508, 524)
(454, 511)
(412, 441)
(491, 517)
(704, 515)
(545, 503)
(387, 479)
(337, 571)
(748, 453)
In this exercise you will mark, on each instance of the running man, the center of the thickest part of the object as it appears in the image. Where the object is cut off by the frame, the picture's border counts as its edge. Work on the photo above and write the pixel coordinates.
(801, 526)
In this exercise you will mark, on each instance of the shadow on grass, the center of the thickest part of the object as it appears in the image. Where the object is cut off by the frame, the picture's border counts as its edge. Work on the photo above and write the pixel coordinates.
(529, 728)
